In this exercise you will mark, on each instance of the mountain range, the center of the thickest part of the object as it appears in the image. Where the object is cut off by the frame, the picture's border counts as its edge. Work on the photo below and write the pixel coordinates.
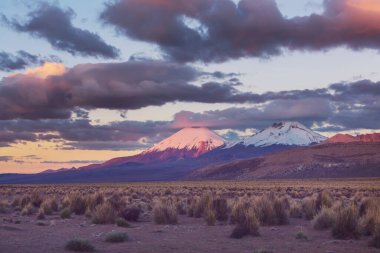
(283, 150)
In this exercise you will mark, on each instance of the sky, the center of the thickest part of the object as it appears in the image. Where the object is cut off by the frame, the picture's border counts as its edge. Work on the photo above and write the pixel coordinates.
(82, 82)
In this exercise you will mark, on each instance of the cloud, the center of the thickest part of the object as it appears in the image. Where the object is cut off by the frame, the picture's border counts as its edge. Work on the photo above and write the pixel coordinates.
(55, 25)
(53, 91)
(219, 30)
(5, 158)
(22, 59)
(72, 162)
(304, 110)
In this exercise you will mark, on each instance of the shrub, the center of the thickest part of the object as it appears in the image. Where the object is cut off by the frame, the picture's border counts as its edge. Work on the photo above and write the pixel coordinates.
(103, 214)
(4, 207)
(221, 209)
(279, 207)
(77, 204)
(49, 206)
(210, 217)
(25, 200)
(121, 222)
(117, 237)
(265, 209)
(375, 242)
(346, 225)
(237, 212)
(131, 213)
(36, 199)
(79, 245)
(94, 200)
(295, 210)
(325, 219)
(40, 214)
(28, 209)
(65, 213)
(369, 220)
(164, 213)
(301, 236)
(249, 225)
(324, 199)
(309, 208)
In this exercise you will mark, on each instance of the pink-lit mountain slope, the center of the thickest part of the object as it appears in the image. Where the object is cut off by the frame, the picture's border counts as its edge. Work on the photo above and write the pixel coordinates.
(186, 143)
(347, 138)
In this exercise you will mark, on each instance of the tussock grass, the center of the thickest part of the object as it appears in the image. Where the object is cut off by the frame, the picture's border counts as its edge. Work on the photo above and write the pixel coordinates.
(104, 214)
(346, 225)
(325, 219)
(248, 224)
(165, 212)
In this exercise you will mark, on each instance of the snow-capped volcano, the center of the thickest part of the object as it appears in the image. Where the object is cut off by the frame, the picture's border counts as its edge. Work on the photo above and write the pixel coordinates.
(285, 133)
(195, 140)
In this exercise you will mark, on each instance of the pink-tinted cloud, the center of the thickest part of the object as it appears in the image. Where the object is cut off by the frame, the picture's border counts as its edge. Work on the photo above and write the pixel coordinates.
(250, 28)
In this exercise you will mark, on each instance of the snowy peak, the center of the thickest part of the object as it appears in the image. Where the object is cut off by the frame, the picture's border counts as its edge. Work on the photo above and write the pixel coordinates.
(285, 133)
(196, 140)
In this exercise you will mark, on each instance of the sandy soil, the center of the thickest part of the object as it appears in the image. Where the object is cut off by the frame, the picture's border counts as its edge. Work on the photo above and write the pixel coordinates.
(190, 235)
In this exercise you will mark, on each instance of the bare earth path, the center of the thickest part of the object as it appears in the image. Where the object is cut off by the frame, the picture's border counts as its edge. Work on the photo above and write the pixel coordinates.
(190, 235)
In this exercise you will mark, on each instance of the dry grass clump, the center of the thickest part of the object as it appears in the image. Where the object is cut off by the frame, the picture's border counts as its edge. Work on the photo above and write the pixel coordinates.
(49, 206)
(324, 199)
(28, 209)
(210, 216)
(271, 210)
(346, 224)
(103, 214)
(325, 219)
(165, 212)
(221, 209)
(248, 224)
(116, 237)
(77, 204)
(309, 207)
(370, 215)
(375, 241)
(94, 200)
(295, 210)
(36, 199)
(79, 245)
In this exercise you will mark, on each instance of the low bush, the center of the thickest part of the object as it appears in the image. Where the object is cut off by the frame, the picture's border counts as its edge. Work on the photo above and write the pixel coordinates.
(79, 245)
(121, 222)
(117, 237)
(65, 213)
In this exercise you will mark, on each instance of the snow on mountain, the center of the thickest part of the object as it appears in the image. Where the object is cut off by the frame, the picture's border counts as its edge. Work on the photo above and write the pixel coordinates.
(285, 133)
(197, 140)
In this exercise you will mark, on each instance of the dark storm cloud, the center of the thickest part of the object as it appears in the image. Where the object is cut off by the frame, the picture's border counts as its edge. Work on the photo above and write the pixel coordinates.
(5, 158)
(55, 25)
(126, 85)
(22, 59)
(218, 30)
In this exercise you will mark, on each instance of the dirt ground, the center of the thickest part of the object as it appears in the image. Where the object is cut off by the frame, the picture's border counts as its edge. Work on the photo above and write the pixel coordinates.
(190, 235)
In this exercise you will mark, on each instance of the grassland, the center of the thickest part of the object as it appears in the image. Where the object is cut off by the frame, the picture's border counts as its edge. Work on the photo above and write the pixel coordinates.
(201, 216)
